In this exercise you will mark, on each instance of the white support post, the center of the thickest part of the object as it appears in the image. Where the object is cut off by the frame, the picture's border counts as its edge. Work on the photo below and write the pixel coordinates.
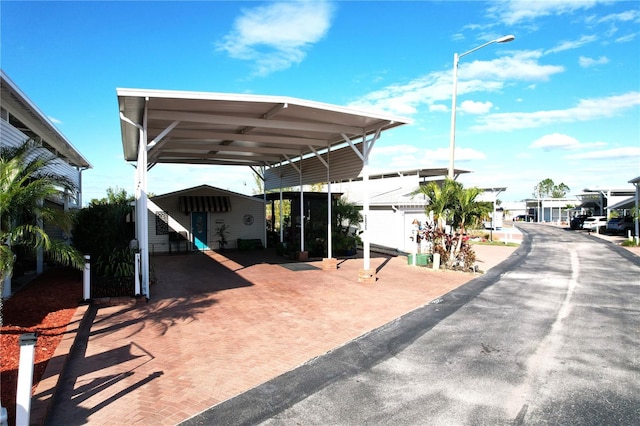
(637, 219)
(301, 209)
(365, 274)
(281, 214)
(137, 274)
(329, 214)
(142, 224)
(86, 278)
(366, 248)
(415, 245)
(25, 378)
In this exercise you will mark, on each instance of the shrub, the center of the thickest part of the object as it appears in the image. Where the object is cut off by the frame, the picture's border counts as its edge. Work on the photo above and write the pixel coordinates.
(102, 231)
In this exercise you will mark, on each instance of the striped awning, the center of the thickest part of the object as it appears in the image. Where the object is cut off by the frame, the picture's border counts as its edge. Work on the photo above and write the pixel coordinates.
(205, 203)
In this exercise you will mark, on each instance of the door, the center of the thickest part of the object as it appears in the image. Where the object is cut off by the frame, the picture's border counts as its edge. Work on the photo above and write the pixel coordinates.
(199, 230)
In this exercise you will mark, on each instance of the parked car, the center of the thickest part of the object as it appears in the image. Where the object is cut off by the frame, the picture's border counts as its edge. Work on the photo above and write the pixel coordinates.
(577, 221)
(593, 223)
(620, 225)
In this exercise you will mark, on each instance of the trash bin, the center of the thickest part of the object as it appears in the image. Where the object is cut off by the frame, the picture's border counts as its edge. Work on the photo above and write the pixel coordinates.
(422, 259)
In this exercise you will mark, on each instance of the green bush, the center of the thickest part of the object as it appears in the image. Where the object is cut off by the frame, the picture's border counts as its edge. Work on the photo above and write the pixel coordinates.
(119, 263)
(102, 231)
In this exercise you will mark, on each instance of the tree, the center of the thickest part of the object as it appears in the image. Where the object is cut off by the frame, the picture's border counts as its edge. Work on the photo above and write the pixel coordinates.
(450, 201)
(114, 196)
(26, 180)
(547, 188)
(441, 199)
(467, 210)
(560, 191)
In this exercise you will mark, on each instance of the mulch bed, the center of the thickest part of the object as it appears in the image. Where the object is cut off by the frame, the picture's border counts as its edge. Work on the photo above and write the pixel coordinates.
(44, 306)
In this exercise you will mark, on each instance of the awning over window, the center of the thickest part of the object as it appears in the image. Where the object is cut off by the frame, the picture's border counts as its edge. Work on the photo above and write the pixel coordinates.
(203, 203)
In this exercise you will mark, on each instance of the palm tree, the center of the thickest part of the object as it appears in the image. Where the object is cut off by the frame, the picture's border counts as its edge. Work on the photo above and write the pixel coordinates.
(451, 201)
(441, 199)
(26, 180)
(467, 210)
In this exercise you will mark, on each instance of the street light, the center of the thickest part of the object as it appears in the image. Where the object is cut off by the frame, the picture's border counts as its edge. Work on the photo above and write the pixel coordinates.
(456, 58)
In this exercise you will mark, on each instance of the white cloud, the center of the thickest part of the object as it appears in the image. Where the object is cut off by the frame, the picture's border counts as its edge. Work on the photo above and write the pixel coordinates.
(474, 77)
(516, 11)
(467, 154)
(555, 140)
(563, 142)
(591, 62)
(407, 157)
(519, 65)
(572, 44)
(587, 109)
(627, 16)
(438, 108)
(277, 35)
(54, 120)
(624, 153)
(627, 38)
(472, 107)
(404, 99)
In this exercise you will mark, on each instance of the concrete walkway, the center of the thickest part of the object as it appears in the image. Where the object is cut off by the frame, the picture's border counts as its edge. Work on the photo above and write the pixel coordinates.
(218, 325)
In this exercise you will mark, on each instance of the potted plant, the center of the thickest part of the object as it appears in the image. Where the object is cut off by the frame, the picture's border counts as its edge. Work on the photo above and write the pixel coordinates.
(222, 233)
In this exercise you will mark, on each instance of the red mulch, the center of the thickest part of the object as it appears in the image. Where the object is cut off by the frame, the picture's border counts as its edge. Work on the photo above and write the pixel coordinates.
(44, 306)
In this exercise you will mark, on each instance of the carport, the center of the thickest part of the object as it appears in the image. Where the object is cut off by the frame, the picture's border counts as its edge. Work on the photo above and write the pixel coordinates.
(280, 138)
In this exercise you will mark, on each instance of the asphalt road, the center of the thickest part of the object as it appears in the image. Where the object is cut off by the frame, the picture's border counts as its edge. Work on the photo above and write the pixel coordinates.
(550, 336)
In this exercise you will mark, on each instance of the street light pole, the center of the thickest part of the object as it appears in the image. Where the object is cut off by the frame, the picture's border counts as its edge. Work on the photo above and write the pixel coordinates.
(456, 59)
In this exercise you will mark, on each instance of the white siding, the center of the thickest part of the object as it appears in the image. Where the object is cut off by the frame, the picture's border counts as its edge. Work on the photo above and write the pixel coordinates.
(10, 136)
(179, 221)
(393, 229)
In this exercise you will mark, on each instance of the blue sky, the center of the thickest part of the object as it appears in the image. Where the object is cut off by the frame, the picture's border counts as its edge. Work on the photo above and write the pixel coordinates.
(562, 101)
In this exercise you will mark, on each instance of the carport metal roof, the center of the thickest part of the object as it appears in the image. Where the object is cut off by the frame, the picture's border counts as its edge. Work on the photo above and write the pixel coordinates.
(162, 126)
(237, 129)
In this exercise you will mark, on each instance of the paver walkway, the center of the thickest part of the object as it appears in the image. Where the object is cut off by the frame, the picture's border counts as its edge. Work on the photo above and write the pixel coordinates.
(218, 325)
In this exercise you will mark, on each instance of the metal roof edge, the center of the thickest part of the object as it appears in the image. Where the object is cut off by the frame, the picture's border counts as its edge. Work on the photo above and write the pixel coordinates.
(218, 96)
